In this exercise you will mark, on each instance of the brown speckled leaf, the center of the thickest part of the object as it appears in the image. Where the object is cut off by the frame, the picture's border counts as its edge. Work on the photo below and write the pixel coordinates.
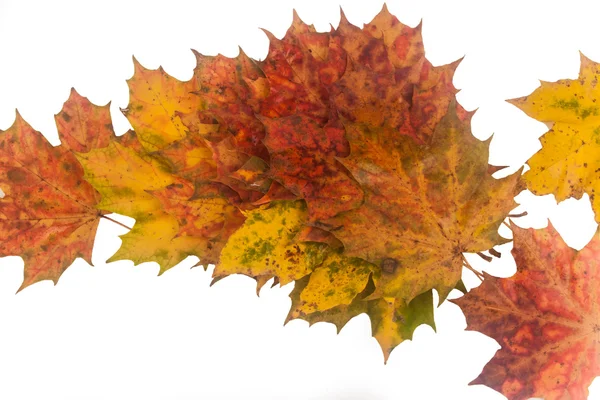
(388, 82)
(424, 205)
(303, 159)
(48, 212)
(376, 76)
(546, 318)
(298, 68)
(83, 126)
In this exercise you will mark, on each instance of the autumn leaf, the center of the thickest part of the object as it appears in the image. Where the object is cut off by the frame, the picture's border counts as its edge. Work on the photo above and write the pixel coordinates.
(225, 124)
(388, 82)
(392, 321)
(341, 162)
(156, 98)
(202, 212)
(298, 69)
(125, 174)
(48, 212)
(424, 205)
(377, 76)
(266, 245)
(83, 126)
(546, 318)
(568, 164)
(337, 281)
(230, 90)
(303, 158)
(190, 158)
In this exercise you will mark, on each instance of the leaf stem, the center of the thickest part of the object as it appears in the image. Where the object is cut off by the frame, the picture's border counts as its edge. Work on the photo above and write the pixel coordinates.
(116, 222)
(524, 213)
(485, 257)
(473, 270)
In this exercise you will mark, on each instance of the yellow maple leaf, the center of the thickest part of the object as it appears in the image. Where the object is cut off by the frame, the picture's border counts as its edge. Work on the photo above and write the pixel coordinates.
(156, 101)
(568, 164)
(266, 245)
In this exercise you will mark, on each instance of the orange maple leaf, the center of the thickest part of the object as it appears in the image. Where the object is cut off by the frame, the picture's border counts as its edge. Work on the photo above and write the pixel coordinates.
(48, 213)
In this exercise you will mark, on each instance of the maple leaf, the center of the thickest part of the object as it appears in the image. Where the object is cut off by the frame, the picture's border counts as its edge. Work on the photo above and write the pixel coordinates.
(568, 164)
(392, 321)
(424, 205)
(340, 162)
(48, 213)
(228, 90)
(388, 80)
(298, 69)
(272, 244)
(546, 318)
(267, 245)
(303, 156)
(156, 99)
(83, 126)
(146, 175)
(128, 177)
(202, 212)
(376, 76)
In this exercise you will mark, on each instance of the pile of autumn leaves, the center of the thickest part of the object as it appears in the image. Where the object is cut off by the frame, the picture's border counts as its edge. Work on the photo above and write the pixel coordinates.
(341, 162)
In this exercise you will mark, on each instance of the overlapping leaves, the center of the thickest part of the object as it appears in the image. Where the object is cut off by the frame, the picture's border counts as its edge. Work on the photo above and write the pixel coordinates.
(341, 163)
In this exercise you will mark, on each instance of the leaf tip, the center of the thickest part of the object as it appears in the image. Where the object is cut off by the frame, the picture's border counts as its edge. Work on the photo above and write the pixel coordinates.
(270, 36)
(519, 102)
(343, 18)
(386, 355)
(73, 94)
(199, 56)
(296, 18)
(419, 27)
(585, 62)
(241, 52)
(136, 63)
(216, 279)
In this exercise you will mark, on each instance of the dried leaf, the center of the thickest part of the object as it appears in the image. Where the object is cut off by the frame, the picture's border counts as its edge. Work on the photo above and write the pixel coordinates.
(266, 245)
(48, 213)
(568, 164)
(125, 174)
(156, 101)
(546, 318)
(424, 206)
(83, 126)
(303, 159)
(392, 321)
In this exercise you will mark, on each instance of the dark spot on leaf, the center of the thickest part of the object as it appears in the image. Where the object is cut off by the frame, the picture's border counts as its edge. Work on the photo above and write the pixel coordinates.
(389, 265)
(16, 175)
(65, 116)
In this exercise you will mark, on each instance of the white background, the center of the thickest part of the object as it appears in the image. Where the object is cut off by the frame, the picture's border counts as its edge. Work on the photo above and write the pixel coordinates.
(116, 331)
